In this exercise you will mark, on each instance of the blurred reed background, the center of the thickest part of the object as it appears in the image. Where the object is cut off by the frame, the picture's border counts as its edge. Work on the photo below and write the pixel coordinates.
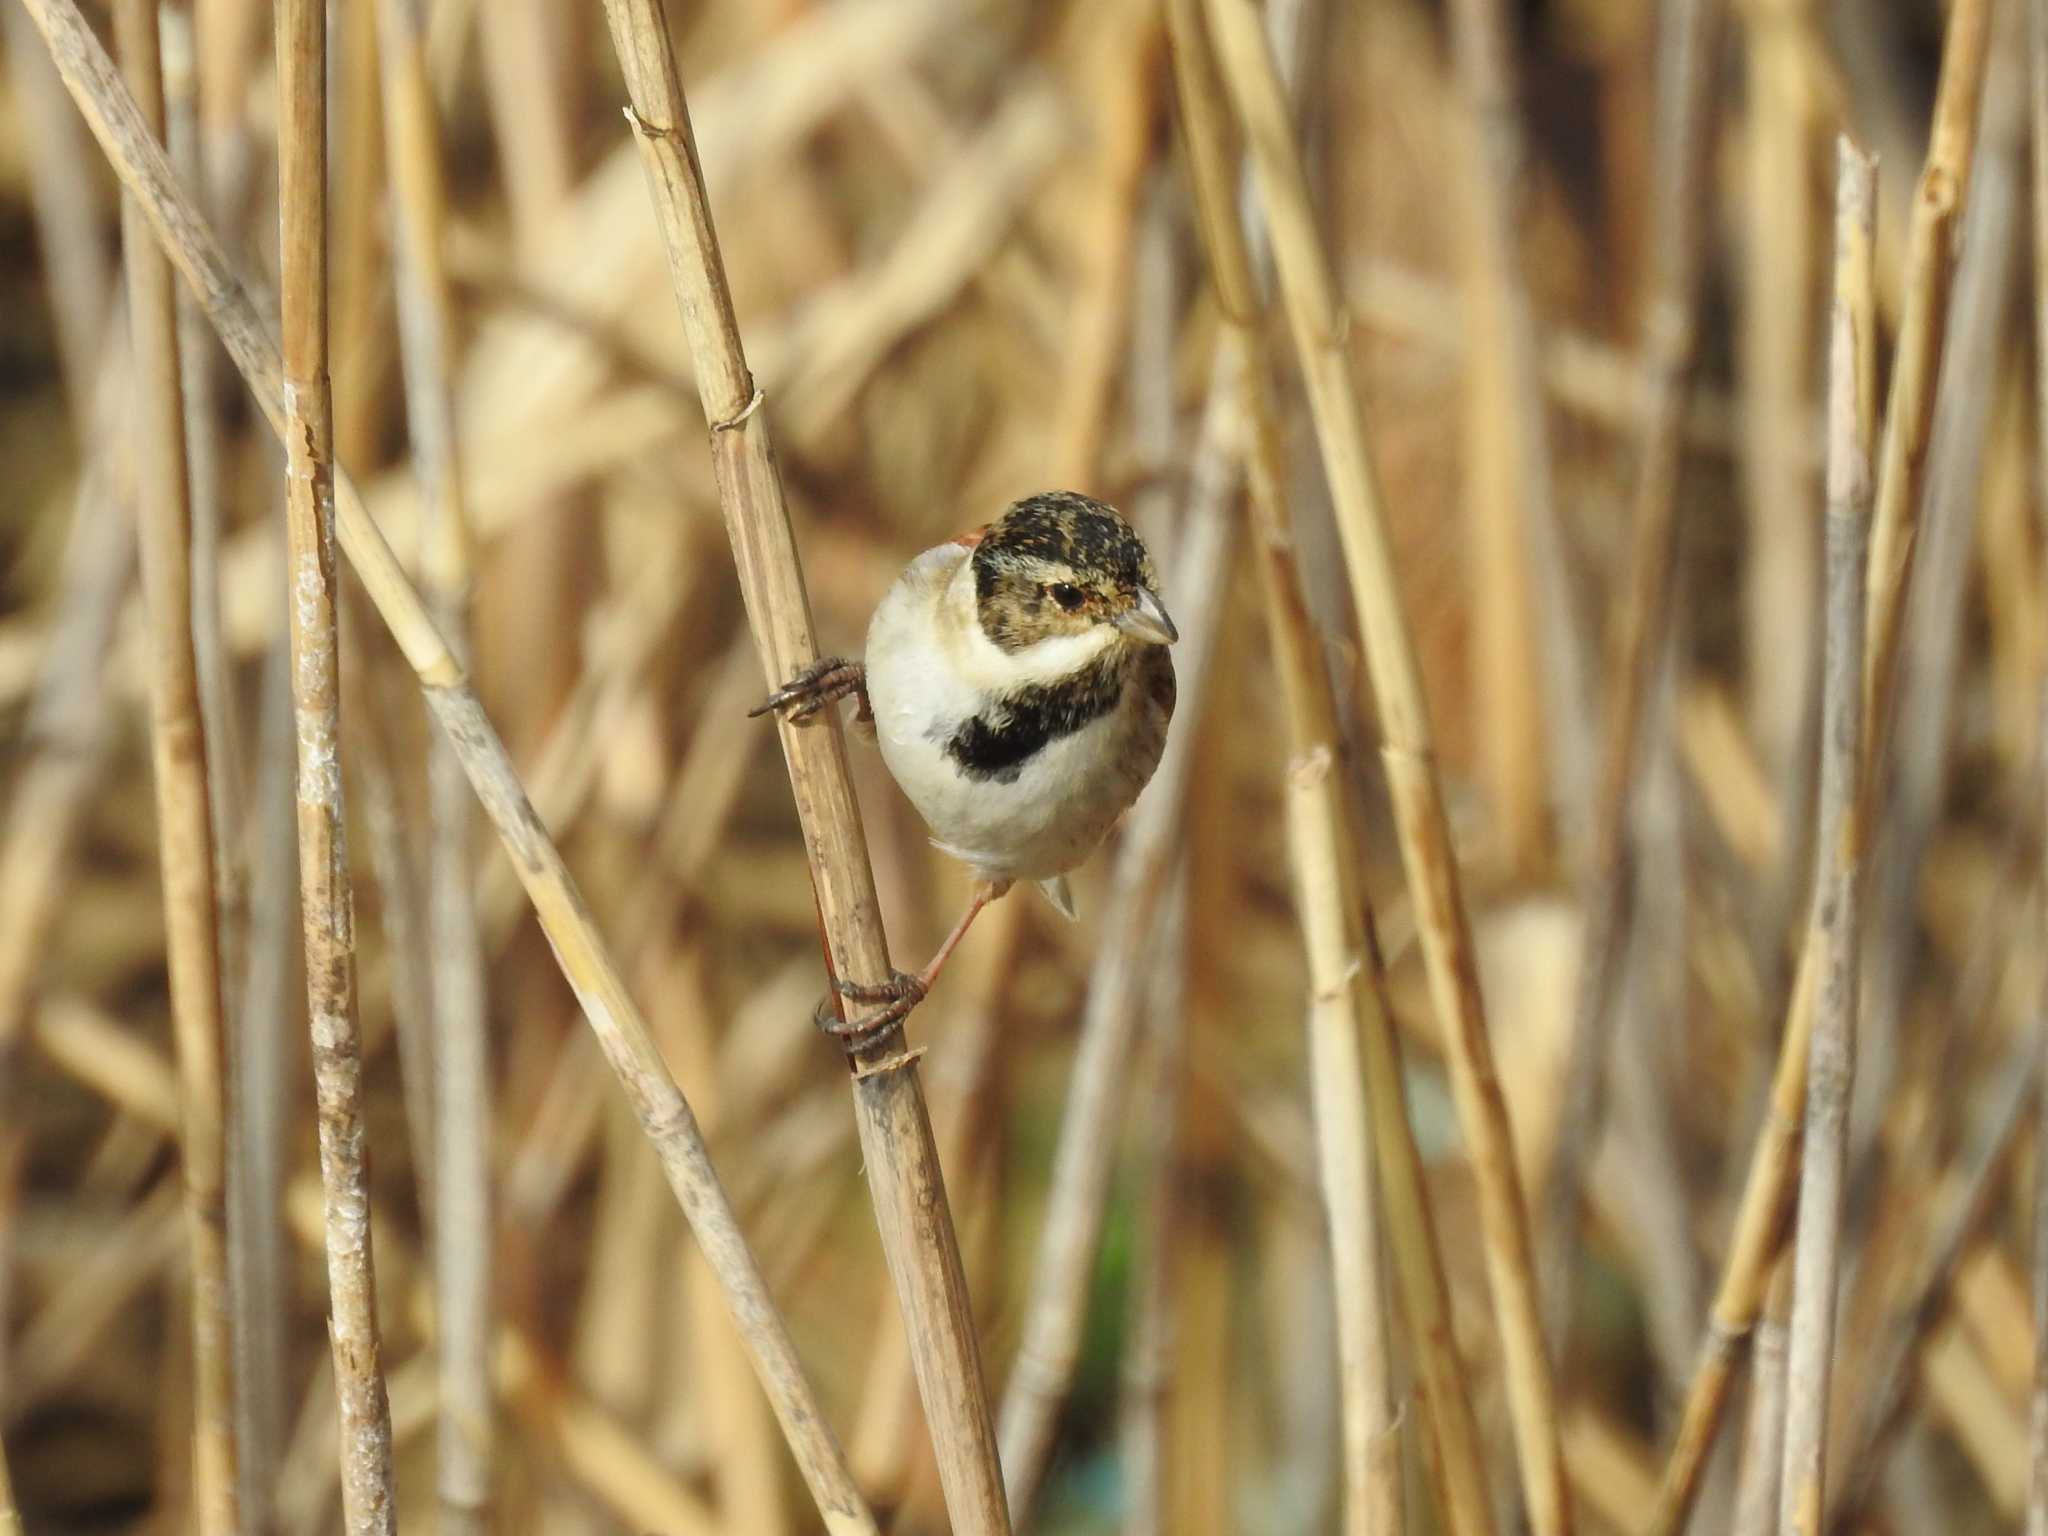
(1312, 1181)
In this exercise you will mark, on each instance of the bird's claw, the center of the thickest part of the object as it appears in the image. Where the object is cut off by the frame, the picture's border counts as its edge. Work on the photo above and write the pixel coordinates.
(825, 680)
(896, 996)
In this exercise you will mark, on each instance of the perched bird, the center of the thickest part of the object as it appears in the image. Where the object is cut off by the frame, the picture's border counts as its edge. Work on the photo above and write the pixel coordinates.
(1019, 687)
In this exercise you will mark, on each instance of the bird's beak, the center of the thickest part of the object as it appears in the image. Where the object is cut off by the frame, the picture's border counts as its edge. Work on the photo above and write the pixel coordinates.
(1146, 620)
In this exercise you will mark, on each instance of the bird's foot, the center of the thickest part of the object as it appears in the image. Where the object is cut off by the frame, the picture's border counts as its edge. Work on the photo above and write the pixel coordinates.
(896, 997)
(825, 680)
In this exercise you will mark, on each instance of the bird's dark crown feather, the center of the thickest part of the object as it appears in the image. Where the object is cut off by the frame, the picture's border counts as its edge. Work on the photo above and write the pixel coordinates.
(1056, 564)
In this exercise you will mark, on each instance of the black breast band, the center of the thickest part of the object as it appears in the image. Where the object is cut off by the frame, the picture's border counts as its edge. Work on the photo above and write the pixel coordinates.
(998, 742)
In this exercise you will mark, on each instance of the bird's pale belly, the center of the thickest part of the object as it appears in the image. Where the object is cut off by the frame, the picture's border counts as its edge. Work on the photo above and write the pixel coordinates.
(1043, 822)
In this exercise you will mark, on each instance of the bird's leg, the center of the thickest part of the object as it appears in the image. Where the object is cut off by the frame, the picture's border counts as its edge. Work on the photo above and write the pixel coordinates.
(904, 990)
(824, 680)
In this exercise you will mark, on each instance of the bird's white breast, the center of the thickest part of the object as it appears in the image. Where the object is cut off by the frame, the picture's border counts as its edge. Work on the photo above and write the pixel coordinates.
(930, 668)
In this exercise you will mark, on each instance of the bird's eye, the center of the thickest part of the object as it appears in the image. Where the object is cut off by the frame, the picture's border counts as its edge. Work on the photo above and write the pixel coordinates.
(1068, 597)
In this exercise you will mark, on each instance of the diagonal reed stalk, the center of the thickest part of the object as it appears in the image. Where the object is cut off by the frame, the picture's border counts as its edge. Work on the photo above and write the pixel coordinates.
(326, 899)
(1838, 856)
(1643, 624)
(184, 815)
(904, 1178)
(1351, 1037)
(1909, 415)
(620, 1029)
(460, 1117)
(1424, 831)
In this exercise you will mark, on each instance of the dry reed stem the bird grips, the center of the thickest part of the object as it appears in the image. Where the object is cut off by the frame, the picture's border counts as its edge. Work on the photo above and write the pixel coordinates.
(904, 1178)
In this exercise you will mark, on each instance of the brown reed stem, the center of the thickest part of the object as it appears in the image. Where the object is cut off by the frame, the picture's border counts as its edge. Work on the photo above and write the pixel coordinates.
(1316, 321)
(904, 1177)
(460, 1118)
(325, 896)
(2037, 83)
(1909, 414)
(184, 817)
(1357, 1076)
(618, 1025)
(1838, 855)
(1642, 624)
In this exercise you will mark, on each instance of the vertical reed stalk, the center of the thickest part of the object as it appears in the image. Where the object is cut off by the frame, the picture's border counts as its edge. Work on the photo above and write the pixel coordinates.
(904, 1178)
(325, 898)
(1445, 926)
(199, 372)
(1909, 412)
(2037, 82)
(1361, 1118)
(460, 1119)
(1643, 623)
(1755, 1512)
(1852, 428)
(184, 817)
(620, 1029)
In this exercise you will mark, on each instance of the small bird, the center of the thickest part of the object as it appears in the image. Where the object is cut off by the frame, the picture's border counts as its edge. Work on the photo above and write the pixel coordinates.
(1019, 687)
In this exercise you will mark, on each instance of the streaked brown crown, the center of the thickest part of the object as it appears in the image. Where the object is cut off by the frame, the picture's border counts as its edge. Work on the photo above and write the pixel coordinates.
(1057, 563)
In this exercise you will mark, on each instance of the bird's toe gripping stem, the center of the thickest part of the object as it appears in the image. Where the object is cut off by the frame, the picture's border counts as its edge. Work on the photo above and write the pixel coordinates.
(896, 997)
(817, 685)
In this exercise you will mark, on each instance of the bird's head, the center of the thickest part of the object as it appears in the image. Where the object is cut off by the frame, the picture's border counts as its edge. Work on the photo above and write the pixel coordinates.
(1059, 564)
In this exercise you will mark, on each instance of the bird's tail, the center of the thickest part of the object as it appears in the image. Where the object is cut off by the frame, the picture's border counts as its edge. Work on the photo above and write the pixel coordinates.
(1061, 896)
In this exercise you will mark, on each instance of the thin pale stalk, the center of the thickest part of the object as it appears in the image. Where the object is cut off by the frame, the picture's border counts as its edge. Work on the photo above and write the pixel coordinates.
(904, 1177)
(1838, 855)
(1760, 1215)
(1763, 1437)
(1643, 623)
(184, 815)
(325, 897)
(461, 1079)
(1319, 331)
(2037, 83)
(1358, 1074)
(620, 1029)
(199, 370)
(1092, 1127)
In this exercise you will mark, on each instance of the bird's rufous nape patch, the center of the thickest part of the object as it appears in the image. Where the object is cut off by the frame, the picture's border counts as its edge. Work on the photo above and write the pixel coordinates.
(969, 540)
